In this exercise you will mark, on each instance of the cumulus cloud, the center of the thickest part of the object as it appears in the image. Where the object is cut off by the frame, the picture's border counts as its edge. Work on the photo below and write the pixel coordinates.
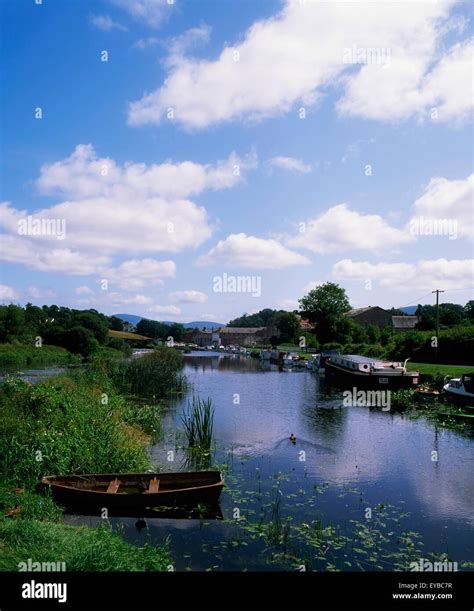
(164, 309)
(241, 250)
(131, 208)
(421, 275)
(306, 48)
(106, 23)
(188, 296)
(8, 293)
(340, 228)
(447, 200)
(38, 256)
(117, 299)
(138, 273)
(290, 163)
(150, 12)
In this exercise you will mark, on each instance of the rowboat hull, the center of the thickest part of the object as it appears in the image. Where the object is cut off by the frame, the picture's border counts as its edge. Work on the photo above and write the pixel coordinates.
(175, 490)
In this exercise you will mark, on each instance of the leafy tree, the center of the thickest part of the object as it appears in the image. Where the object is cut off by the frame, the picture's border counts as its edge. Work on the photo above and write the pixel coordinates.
(469, 310)
(325, 306)
(176, 331)
(116, 324)
(287, 324)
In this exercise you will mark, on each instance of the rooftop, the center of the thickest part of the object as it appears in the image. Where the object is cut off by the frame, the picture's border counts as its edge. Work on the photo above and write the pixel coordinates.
(404, 322)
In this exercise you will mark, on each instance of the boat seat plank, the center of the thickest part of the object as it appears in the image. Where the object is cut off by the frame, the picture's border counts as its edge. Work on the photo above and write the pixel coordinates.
(153, 486)
(113, 486)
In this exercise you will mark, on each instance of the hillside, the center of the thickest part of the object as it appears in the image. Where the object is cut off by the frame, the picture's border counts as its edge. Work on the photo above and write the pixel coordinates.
(134, 319)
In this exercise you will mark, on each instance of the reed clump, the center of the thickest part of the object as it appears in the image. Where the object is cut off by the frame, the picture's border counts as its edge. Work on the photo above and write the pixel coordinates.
(198, 423)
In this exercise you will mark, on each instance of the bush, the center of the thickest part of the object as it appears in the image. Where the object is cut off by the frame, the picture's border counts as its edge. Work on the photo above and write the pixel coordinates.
(455, 346)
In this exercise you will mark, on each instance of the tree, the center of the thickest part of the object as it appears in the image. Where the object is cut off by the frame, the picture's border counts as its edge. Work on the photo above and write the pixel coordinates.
(325, 306)
(176, 331)
(469, 310)
(116, 324)
(287, 324)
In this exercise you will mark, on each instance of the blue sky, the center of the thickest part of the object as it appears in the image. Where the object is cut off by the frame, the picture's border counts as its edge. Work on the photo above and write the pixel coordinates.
(289, 142)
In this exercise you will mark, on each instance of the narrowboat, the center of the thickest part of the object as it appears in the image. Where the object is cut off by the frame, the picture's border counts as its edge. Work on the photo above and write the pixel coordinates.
(353, 370)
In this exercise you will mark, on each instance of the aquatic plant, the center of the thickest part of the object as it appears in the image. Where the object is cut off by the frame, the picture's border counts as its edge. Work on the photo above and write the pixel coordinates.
(157, 374)
(198, 422)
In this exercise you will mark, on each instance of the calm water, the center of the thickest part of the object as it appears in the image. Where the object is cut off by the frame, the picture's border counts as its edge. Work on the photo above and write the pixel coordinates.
(346, 461)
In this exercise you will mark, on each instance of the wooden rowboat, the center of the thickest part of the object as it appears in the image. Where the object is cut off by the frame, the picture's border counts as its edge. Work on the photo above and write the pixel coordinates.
(136, 490)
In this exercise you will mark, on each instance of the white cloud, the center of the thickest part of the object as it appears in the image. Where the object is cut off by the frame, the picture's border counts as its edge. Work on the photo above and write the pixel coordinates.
(164, 309)
(84, 290)
(83, 174)
(106, 23)
(301, 51)
(117, 299)
(313, 284)
(290, 163)
(34, 292)
(340, 228)
(421, 275)
(138, 273)
(38, 256)
(451, 200)
(240, 250)
(409, 87)
(133, 208)
(150, 12)
(8, 293)
(188, 296)
(146, 43)
(190, 39)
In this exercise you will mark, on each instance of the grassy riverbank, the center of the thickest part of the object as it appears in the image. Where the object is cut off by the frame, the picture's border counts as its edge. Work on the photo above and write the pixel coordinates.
(20, 355)
(438, 369)
(77, 423)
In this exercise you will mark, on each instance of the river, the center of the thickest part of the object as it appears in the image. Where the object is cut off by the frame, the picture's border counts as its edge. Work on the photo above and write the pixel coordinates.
(360, 489)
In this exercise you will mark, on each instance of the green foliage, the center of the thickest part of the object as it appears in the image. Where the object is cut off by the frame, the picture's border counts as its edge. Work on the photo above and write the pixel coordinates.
(70, 424)
(325, 306)
(198, 422)
(80, 548)
(79, 331)
(284, 326)
(157, 374)
(455, 345)
(19, 355)
(119, 344)
(402, 399)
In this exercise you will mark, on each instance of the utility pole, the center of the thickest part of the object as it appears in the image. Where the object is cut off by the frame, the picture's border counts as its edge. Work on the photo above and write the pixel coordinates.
(437, 291)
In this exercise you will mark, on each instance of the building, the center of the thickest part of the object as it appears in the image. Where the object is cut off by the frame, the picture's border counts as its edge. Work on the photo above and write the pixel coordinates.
(204, 337)
(129, 327)
(243, 336)
(378, 317)
(369, 316)
(404, 323)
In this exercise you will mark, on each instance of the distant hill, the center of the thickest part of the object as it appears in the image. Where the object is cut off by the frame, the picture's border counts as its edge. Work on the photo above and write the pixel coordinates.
(188, 325)
(409, 309)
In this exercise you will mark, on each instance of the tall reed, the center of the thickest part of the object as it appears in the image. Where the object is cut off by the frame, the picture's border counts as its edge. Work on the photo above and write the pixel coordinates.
(198, 422)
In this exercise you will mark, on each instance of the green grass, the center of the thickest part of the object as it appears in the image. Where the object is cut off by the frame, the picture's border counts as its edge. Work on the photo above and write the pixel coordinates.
(19, 355)
(76, 423)
(80, 548)
(157, 374)
(66, 425)
(436, 369)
